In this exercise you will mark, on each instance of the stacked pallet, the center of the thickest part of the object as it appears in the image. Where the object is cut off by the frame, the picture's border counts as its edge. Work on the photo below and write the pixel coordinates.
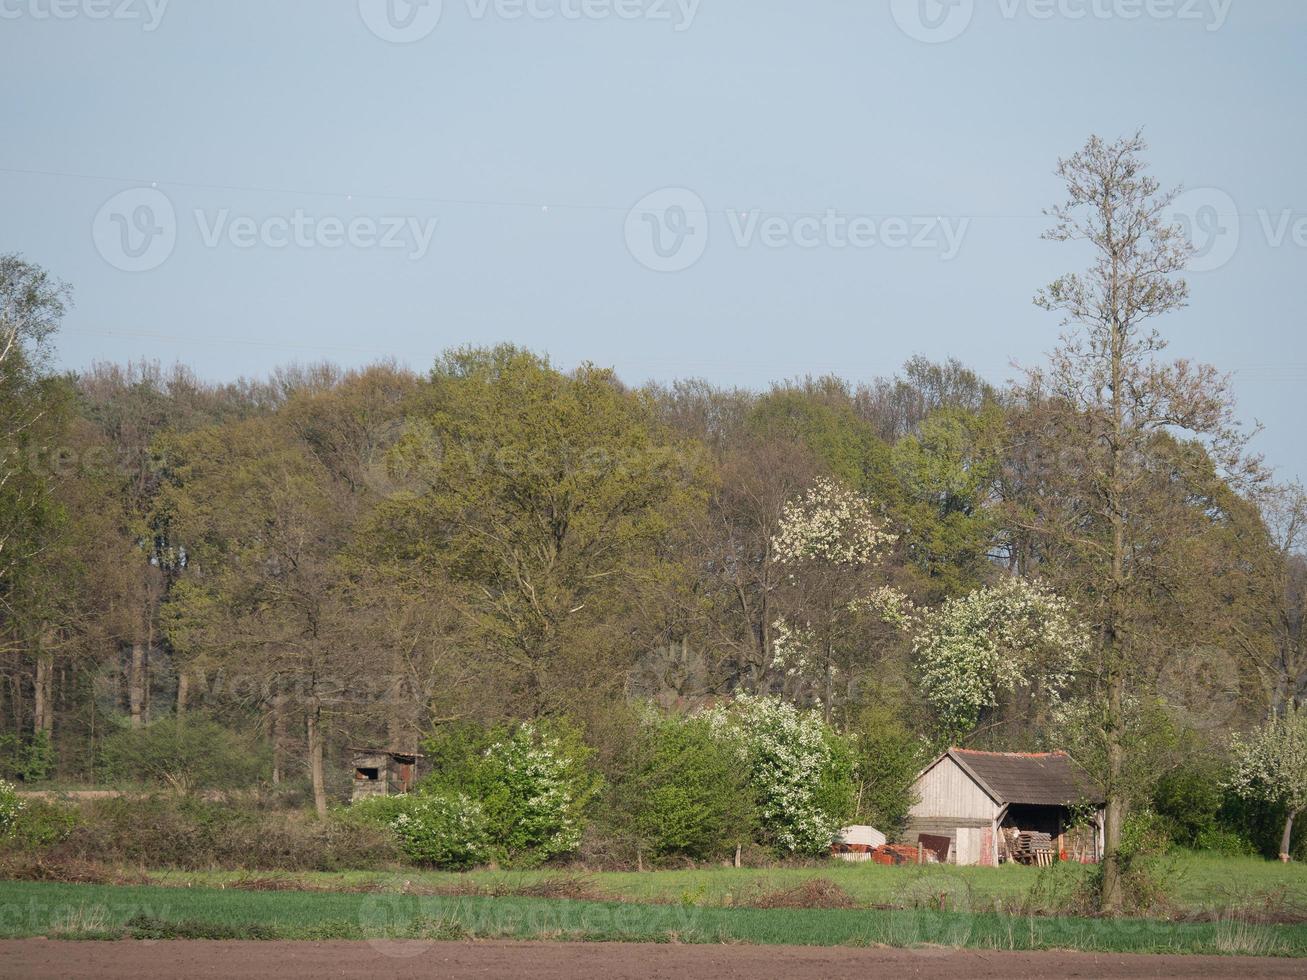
(1030, 847)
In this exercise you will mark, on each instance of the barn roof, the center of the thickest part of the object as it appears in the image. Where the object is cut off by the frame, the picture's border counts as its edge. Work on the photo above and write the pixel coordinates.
(1043, 778)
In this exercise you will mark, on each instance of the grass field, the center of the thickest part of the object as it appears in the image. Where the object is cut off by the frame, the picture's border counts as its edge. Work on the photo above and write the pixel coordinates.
(1195, 884)
(395, 920)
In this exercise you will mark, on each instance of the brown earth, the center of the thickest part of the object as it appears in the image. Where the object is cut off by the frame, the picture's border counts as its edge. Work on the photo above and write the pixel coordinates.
(39, 959)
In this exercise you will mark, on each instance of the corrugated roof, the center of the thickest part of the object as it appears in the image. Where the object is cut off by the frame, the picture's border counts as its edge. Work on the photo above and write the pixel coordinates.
(1045, 778)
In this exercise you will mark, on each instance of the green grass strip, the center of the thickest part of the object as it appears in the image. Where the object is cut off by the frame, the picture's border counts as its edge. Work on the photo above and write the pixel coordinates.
(395, 920)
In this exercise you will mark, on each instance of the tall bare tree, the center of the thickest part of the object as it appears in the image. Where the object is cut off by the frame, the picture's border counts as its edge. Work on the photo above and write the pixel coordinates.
(1111, 411)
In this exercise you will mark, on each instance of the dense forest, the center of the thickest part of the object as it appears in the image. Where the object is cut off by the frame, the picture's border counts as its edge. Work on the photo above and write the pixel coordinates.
(1086, 558)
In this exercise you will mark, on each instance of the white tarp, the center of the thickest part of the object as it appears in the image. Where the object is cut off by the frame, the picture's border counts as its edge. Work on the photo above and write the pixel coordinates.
(869, 836)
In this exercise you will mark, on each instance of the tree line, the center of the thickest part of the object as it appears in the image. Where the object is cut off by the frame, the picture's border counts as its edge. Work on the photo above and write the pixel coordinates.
(330, 558)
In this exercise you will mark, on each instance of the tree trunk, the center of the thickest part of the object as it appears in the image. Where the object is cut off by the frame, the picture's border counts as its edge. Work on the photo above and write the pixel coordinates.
(316, 769)
(136, 685)
(1113, 654)
(278, 736)
(183, 692)
(1287, 840)
(43, 689)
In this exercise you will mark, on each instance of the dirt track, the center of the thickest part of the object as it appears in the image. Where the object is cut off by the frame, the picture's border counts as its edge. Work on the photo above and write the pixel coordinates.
(39, 959)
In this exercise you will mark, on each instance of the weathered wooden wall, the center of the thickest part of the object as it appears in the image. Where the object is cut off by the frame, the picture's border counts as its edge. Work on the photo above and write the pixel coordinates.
(947, 791)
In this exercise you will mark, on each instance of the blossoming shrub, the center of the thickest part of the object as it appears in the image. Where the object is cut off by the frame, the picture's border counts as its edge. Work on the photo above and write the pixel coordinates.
(10, 807)
(535, 788)
(800, 770)
(443, 830)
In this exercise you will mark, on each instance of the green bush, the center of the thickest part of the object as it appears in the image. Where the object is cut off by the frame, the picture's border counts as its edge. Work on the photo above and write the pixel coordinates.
(1188, 801)
(443, 830)
(438, 829)
(191, 834)
(41, 825)
(682, 794)
(535, 787)
(1145, 834)
(533, 784)
(800, 771)
(1226, 842)
(887, 758)
(183, 754)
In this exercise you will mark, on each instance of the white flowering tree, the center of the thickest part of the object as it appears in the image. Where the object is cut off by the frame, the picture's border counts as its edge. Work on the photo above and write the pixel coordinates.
(800, 770)
(830, 544)
(994, 641)
(1270, 766)
(535, 788)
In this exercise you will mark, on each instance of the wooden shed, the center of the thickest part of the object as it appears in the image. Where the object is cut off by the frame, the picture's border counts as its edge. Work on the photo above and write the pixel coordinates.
(999, 806)
(380, 772)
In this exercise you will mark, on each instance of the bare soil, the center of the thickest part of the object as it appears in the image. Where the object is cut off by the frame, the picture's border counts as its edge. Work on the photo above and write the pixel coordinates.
(39, 959)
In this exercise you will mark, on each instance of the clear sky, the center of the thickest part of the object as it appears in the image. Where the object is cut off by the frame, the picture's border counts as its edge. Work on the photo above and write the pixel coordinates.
(822, 185)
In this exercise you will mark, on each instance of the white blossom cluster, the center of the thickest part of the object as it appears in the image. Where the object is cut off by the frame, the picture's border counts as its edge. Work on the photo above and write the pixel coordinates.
(787, 752)
(830, 523)
(11, 805)
(535, 770)
(1270, 764)
(444, 830)
(994, 640)
(791, 646)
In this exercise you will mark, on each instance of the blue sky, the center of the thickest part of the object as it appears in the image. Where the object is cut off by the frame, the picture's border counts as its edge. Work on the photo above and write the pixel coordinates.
(834, 185)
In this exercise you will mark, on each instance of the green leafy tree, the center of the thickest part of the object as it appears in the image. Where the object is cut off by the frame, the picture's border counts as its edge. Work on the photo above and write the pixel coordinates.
(948, 470)
(543, 499)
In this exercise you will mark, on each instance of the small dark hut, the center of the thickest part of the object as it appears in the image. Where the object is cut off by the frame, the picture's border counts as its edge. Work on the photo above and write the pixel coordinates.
(381, 772)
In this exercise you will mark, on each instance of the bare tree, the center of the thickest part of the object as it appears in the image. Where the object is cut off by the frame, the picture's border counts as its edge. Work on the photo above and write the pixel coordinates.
(1112, 409)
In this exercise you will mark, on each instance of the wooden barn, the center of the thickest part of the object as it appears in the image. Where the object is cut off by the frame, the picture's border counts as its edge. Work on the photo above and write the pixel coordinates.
(989, 807)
